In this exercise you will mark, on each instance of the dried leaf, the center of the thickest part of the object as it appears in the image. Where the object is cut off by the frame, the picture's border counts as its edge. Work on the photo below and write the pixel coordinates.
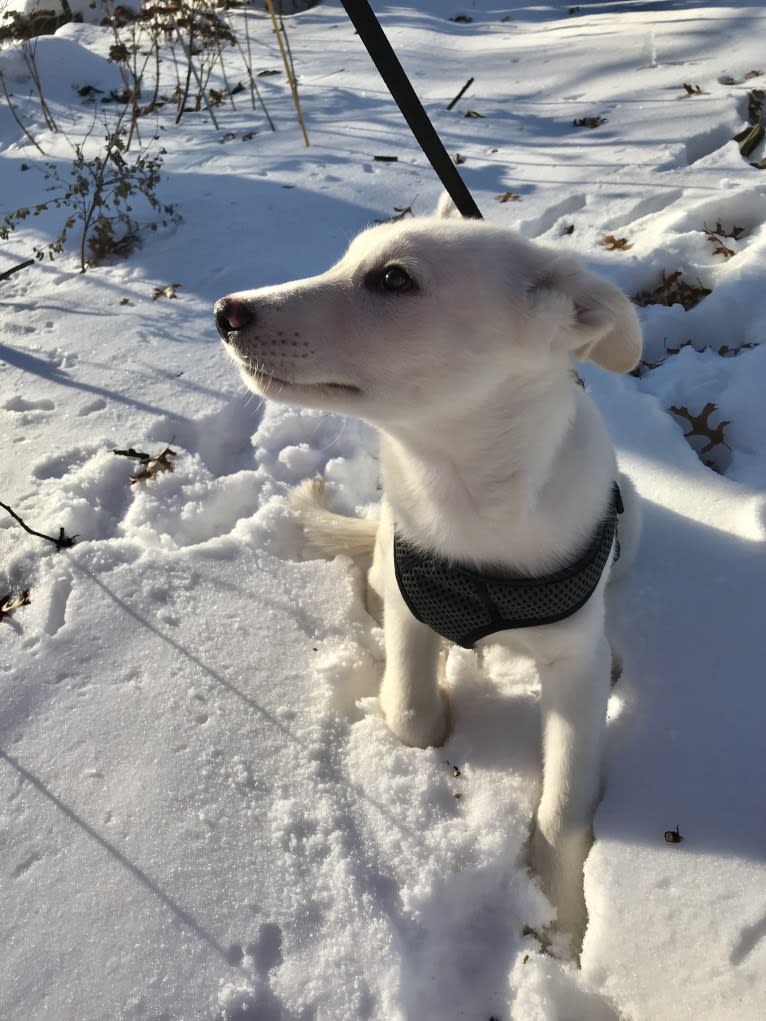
(749, 139)
(733, 232)
(615, 244)
(693, 90)
(731, 352)
(673, 836)
(755, 105)
(152, 467)
(673, 290)
(677, 350)
(169, 291)
(400, 212)
(589, 122)
(473, 113)
(9, 603)
(508, 196)
(719, 248)
(700, 425)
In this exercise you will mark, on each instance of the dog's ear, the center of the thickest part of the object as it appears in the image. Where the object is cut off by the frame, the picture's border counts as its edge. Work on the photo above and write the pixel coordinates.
(446, 208)
(604, 328)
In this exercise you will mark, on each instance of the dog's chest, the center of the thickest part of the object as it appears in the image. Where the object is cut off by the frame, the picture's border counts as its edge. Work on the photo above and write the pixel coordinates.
(466, 605)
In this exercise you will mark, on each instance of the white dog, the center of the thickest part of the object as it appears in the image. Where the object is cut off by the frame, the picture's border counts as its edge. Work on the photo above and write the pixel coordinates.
(455, 338)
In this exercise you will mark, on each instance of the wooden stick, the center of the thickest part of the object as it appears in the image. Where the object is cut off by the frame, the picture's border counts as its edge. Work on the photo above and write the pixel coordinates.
(460, 94)
(63, 541)
(290, 76)
(200, 86)
(15, 115)
(15, 269)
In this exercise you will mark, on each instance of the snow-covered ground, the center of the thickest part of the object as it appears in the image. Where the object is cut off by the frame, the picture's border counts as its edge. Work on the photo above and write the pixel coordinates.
(201, 813)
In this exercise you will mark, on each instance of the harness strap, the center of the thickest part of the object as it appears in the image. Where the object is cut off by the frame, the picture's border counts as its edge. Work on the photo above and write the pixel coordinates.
(465, 605)
(393, 74)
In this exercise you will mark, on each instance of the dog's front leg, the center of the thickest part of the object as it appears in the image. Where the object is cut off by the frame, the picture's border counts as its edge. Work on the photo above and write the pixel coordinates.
(574, 693)
(413, 703)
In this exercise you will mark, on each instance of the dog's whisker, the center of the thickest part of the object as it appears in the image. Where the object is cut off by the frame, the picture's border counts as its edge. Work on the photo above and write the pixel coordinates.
(334, 440)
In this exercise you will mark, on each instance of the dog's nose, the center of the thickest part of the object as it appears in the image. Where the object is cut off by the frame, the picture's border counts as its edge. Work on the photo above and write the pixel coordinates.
(231, 314)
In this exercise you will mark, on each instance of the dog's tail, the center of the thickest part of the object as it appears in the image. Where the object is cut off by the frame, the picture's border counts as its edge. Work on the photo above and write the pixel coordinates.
(326, 531)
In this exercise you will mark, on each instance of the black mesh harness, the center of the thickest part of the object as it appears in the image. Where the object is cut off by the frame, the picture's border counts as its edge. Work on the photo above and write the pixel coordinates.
(465, 605)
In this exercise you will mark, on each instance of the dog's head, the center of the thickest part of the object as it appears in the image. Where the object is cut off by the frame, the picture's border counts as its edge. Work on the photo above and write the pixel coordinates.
(425, 312)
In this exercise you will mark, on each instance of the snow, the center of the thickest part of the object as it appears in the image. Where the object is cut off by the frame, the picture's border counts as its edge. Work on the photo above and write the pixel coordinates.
(201, 813)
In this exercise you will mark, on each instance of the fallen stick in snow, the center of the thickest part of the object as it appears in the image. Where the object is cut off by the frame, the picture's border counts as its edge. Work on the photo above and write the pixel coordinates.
(460, 94)
(63, 542)
(16, 269)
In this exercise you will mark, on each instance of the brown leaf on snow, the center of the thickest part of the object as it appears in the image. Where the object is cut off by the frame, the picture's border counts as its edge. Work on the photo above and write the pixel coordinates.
(508, 196)
(700, 425)
(673, 290)
(9, 603)
(693, 90)
(589, 122)
(400, 212)
(733, 232)
(150, 466)
(755, 105)
(719, 248)
(149, 469)
(615, 244)
(169, 291)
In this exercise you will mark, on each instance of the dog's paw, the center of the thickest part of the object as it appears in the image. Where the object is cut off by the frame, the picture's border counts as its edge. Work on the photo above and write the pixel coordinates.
(417, 728)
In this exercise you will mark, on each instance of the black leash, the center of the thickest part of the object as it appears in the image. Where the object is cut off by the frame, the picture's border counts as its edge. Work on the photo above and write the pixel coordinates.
(393, 74)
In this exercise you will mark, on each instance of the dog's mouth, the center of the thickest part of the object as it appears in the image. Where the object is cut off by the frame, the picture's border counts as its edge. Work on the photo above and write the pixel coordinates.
(269, 383)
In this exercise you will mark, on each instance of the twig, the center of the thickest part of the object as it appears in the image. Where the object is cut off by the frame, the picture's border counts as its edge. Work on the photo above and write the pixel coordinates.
(254, 90)
(138, 455)
(63, 542)
(16, 117)
(29, 55)
(460, 94)
(286, 41)
(15, 269)
(200, 86)
(290, 76)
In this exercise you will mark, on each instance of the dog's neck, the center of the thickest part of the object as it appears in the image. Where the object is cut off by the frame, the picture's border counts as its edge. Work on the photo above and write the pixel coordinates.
(505, 485)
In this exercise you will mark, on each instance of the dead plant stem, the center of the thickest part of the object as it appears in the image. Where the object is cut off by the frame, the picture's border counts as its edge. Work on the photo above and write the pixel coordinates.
(288, 70)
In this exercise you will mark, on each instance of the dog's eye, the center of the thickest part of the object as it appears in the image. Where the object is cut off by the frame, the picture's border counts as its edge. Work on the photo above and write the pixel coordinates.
(396, 279)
